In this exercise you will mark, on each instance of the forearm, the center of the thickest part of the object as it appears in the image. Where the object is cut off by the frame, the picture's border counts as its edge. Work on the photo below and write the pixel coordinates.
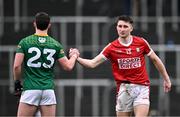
(161, 68)
(17, 83)
(19, 57)
(86, 62)
(17, 73)
(72, 62)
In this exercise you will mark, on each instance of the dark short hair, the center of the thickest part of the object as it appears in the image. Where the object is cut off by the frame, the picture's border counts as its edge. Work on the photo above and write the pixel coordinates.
(42, 20)
(125, 18)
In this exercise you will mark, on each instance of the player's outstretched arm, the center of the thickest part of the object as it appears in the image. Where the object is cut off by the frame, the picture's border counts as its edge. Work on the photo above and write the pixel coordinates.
(161, 68)
(68, 64)
(91, 63)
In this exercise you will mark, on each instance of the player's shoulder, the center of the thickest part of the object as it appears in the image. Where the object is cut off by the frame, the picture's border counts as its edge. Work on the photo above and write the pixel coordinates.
(139, 39)
(114, 43)
(25, 39)
(54, 42)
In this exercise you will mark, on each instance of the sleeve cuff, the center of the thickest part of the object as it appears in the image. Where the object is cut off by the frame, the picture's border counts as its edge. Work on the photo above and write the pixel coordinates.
(150, 52)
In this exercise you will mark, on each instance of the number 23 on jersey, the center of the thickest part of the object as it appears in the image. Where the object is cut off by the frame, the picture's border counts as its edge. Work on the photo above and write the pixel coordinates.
(49, 52)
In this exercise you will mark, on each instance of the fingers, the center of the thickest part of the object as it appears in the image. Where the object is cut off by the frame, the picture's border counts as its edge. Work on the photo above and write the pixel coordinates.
(166, 89)
(17, 88)
(74, 52)
(167, 86)
(17, 93)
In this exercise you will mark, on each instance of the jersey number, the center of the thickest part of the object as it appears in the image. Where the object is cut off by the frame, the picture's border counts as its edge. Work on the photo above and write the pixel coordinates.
(49, 52)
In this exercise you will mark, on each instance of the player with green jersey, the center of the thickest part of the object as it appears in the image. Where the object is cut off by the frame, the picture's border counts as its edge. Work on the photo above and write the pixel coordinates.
(41, 53)
(36, 55)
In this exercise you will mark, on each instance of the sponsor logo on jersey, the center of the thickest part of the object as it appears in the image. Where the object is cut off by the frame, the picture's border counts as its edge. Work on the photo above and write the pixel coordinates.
(61, 51)
(42, 39)
(129, 63)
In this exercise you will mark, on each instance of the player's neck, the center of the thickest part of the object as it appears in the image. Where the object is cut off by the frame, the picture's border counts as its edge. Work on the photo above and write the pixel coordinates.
(125, 40)
(40, 32)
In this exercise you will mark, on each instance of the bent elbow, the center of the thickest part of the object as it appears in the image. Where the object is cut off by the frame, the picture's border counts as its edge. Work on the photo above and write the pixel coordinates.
(92, 66)
(68, 68)
(16, 67)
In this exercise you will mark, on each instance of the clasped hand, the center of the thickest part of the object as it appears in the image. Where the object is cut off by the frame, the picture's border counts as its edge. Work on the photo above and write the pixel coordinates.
(74, 52)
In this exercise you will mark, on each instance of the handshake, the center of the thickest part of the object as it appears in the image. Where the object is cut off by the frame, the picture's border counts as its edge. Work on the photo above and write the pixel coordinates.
(73, 52)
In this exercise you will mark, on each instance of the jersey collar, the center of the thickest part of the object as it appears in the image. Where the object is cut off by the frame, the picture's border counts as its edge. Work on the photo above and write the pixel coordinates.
(41, 34)
(128, 44)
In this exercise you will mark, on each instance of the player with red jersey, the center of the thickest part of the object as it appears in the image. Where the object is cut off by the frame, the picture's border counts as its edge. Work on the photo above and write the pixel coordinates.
(128, 60)
(127, 56)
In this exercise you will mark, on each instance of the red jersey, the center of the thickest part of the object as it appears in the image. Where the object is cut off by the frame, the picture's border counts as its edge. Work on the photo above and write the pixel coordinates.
(128, 60)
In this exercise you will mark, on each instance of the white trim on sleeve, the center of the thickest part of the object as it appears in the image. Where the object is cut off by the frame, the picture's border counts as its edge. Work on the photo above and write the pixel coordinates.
(104, 57)
(150, 52)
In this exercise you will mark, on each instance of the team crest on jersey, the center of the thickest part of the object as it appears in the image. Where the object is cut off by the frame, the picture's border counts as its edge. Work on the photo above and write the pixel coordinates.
(138, 49)
(41, 39)
(128, 51)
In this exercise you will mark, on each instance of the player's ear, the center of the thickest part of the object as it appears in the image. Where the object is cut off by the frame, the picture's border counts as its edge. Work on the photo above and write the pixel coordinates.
(132, 28)
(49, 25)
(34, 24)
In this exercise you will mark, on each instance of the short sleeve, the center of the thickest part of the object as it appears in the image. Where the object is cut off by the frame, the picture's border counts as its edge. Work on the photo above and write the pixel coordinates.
(20, 47)
(147, 48)
(61, 52)
(106, 51)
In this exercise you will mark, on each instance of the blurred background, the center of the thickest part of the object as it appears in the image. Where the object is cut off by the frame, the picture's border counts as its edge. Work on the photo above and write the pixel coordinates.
(89, 25)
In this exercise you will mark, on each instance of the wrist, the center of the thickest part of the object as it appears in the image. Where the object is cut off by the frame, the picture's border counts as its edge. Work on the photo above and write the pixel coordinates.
(78, 59)
(167, 80)
(75, 56)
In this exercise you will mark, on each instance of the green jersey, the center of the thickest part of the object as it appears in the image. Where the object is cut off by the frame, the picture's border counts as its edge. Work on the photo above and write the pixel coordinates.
(40, 54)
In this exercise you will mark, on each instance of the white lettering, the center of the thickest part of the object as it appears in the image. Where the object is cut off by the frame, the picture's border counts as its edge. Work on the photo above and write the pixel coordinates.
(129, 63)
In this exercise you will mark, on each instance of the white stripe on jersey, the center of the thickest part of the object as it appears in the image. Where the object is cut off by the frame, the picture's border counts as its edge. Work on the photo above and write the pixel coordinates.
(104, 57)
(105, 47)
(103, 51)
(151, 50)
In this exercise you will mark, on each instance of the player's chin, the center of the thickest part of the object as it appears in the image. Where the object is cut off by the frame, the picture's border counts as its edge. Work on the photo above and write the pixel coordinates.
(123, 36)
